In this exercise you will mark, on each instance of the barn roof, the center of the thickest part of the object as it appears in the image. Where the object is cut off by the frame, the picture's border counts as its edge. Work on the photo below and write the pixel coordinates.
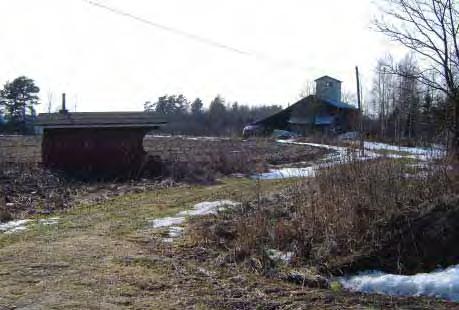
(99, 120)
(327, 77)
(340, 104)
(279, 118)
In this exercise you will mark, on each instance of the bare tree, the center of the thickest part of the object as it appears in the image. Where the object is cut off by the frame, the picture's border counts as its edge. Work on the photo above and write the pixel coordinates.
(308, 89)
(383, 88)
(49, 105)
(429, 28)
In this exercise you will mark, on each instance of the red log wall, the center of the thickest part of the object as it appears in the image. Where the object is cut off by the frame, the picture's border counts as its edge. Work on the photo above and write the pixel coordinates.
(95, 152)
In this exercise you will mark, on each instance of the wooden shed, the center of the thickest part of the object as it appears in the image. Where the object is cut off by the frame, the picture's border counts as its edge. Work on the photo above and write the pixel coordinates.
(96, 144)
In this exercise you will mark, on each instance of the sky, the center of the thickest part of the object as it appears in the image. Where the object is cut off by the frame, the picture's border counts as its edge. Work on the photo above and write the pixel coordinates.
(108, 62)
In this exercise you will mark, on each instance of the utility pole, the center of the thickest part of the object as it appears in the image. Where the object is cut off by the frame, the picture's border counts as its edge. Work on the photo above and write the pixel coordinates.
(359, 101)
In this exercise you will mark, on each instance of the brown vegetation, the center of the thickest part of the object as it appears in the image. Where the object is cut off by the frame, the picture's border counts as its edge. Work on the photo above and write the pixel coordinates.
(349, 212)
(27, 188)
(205, 159)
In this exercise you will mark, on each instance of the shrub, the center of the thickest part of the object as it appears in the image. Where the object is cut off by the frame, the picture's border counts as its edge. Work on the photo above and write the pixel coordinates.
(345, 211)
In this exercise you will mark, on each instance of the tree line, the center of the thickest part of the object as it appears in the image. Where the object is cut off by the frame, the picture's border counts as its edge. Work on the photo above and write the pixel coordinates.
(17, 105)
(221, 118)
(402, 108)
(420, 98)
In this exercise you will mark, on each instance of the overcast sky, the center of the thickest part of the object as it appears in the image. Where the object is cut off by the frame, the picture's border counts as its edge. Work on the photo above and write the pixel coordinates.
(108, 62)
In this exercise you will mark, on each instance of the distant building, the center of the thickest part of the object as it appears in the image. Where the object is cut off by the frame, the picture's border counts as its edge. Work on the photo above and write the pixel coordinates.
(323, 112)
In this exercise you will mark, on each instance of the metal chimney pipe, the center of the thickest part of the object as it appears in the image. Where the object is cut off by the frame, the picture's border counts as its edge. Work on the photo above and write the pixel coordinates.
(64, 110)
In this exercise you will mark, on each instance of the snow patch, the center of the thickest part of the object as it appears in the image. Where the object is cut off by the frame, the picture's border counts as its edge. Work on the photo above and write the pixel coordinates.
(167, 221)
(175, 231)
(21, 225)
(339, 156)
(342, 155)
(420, 153)
(49, 221)
(283, 173)
(13, 226)
(208, 207)
(442, 284)
(277, 255)
(200, 209)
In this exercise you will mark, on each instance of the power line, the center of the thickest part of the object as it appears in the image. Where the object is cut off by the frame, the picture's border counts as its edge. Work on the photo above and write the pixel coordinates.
(166, 28)
(192, 36)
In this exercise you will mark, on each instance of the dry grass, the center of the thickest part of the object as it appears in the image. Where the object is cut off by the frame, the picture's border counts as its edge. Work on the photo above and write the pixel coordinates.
(346, 211)
(189, 159)
(20, 149)
(206, 159)
(105, 256)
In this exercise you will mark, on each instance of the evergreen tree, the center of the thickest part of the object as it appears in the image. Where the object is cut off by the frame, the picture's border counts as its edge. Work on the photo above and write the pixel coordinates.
(18, 99)
(197, 106)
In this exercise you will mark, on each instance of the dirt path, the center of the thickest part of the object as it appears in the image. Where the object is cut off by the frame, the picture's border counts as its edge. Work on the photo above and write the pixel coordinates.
(107, 256)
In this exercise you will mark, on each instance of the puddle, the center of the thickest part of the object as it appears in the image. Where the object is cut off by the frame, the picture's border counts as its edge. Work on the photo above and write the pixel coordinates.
(443, 284)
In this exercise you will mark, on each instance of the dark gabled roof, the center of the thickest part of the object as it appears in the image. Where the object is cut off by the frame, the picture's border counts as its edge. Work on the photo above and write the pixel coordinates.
(340, 105)
(99, 120)
(327, 77)
(279, 117)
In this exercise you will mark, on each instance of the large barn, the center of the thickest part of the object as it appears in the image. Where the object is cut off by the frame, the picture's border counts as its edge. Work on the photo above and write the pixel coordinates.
(323, 112)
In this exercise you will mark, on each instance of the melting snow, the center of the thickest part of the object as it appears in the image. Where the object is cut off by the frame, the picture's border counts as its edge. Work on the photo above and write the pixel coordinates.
(344, 154)
(13, 226)
(279, 255)
(49, 221)
(442, 284)
(339, 156)
(275, 174)
(200, 209)
(414, 152)
(21, 225)
(167, 221)
(175, 231)
(208, 207)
